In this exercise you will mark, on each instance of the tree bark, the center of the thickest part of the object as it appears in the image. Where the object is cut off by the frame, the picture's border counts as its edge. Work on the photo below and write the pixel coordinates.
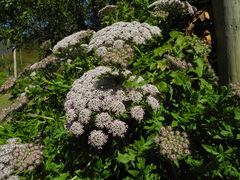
(227, 27)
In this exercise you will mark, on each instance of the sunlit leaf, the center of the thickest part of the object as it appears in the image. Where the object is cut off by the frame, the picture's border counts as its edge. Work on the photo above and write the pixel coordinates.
(210, 149)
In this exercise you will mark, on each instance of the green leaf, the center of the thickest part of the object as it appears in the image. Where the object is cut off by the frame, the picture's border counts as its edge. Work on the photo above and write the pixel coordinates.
(237, 114)
(161, 50)
(128, 178)
(176, 116)
(238, 136)
(226, 133)
(176, 78)
(162, 86)
(210, 149)
(134, 172)
(141, 163)
(62, 176)
(125, 158)
(174, 124)
(176, 163)
(174, 34)
(152, 66)
(161, 66)
(194, 162)
(199, 70)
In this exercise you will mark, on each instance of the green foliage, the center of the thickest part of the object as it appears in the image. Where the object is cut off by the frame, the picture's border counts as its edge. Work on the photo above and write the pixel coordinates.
(190, 101)
(3, 76)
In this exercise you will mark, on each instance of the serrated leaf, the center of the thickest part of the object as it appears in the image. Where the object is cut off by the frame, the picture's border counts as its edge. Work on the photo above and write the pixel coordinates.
(125, 158)
(141, 163)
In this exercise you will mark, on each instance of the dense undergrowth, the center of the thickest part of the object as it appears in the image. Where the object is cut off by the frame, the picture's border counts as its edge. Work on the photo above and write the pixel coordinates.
(166, 117)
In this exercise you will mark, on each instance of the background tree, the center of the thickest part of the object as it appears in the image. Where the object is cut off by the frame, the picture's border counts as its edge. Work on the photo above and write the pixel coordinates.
(23, 21)
(226, 21)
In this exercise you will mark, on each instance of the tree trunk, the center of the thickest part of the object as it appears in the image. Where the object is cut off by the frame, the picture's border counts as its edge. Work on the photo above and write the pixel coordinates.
(227, 28)
(15, 62)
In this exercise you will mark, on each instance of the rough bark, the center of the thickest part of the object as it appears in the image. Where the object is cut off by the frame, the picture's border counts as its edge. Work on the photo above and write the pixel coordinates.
(227, 28)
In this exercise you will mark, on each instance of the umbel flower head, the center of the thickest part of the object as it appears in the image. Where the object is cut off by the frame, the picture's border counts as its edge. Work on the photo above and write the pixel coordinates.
(7, 84)
(201, 47)
(99, 99)
(72, 40)
(14, 106)
(235, 87)
(117, 55)
(15, 156)
(177, 62)
(135, 32)
(173, 6)
(173, 144)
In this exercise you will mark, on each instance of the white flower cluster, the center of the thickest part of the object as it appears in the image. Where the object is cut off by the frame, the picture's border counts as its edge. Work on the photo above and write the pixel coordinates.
(14, 106)
(173, 6)
(177, 62)
(43, 63)
(72, 40)
(135, 32)
(117, 55)
(235, 88)
(8, 84)
(173, 144)
(100, 98)
(201, 48)
(15, 156)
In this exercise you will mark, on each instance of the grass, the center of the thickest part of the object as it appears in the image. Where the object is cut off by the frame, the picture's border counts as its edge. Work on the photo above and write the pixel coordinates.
(4, 101)
(3, 76)
(4, 98)
(27, 56)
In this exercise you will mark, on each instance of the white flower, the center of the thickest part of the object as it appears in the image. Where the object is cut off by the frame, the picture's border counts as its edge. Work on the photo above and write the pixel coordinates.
(134, 31)
(84, 116)
(97, 139)
(71, 40)
(118, 128)
(76, 128)
(101, 51)
(135, 96)
(137, 112)
(173, 6)
(103, 120)
(99, 96)
(118, 44)
(153, 102)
